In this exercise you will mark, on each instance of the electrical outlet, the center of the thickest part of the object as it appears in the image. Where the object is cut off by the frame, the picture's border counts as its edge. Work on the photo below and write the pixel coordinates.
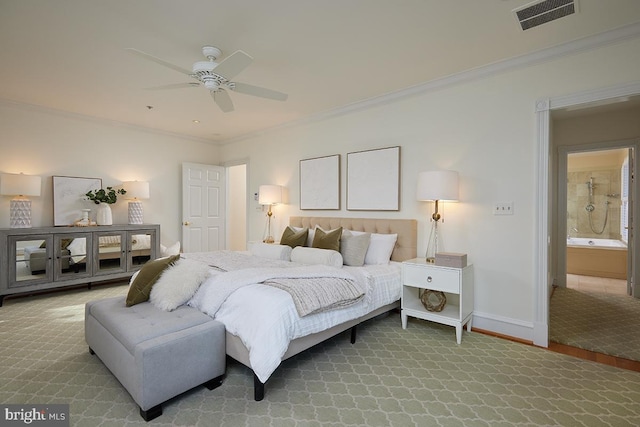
(503, 208)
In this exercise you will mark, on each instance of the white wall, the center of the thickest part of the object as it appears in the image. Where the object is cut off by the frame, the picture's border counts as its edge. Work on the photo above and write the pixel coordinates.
(483, 128)
(42, 142)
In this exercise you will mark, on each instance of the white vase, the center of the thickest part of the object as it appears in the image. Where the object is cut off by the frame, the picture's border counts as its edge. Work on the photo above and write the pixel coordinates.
(103, 214)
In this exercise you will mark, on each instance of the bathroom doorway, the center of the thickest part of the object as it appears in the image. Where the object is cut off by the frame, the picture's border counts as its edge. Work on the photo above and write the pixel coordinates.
(592, 304)
(597, 220)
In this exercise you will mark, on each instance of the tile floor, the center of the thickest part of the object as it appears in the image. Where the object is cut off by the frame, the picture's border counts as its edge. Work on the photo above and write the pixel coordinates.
(597, 284)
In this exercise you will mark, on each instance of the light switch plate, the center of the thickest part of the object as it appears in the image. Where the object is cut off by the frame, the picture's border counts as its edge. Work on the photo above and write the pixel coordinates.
(503, 208)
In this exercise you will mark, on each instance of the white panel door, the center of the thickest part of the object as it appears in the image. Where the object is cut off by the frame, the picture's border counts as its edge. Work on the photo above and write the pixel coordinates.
(203, 207)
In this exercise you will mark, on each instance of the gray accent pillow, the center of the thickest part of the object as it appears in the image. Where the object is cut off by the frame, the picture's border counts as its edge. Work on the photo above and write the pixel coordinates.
(354, 248)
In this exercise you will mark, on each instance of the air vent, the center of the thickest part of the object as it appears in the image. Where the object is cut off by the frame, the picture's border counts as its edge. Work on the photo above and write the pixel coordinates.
(540, 12)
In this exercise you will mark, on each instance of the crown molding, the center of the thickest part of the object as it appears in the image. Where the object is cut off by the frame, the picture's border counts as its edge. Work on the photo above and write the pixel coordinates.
(558, 51)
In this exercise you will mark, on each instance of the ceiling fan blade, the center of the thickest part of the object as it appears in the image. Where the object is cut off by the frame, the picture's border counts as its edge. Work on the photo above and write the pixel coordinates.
(258, 91)
(159, 61)
(233, 64)
(174, 86)
(222, 98)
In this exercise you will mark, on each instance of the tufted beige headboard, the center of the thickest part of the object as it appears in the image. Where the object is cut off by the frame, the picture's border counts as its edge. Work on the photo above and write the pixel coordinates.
(407, 230)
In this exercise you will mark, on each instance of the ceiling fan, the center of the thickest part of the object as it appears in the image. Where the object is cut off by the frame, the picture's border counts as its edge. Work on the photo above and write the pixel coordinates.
(217, 76)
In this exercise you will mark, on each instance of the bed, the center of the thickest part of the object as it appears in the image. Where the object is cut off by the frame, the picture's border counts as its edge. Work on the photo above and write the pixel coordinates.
(330, 323)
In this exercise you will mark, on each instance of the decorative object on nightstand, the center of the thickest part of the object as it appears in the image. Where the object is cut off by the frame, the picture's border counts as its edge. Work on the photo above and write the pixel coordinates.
(436, 186)
(20, 186)
(136, 191)
(269, 195)
(433, 300)
(422, 284)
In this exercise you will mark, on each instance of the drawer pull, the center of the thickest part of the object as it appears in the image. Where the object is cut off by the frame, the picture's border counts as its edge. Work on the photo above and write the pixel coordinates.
(429, 279)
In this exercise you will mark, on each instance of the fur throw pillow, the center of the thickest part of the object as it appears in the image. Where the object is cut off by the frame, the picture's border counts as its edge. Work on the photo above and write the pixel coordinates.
(178, 283)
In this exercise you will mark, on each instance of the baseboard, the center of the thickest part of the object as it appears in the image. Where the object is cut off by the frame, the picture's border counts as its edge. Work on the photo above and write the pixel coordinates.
(503, 327)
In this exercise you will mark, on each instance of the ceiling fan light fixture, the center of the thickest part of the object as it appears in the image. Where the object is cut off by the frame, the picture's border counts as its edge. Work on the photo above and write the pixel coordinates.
(211, 84)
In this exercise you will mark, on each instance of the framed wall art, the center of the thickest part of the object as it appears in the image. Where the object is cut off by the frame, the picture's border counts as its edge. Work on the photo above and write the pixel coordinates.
(69, 199)
(320, 183)
(373, 180)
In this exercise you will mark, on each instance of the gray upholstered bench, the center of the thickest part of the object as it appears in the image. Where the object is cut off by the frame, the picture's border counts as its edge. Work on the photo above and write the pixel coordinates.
(156, 355)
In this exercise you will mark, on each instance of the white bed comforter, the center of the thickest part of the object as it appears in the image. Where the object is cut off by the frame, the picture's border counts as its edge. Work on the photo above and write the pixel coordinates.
(265, 318)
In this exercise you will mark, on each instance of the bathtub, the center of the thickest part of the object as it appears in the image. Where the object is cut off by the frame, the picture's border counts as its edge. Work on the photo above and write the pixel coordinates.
(597, 257)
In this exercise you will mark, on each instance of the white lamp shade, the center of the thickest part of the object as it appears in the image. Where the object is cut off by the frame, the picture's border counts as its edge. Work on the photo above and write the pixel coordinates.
(20, 185)
(270, 194)
(437, 185)
(136, 189)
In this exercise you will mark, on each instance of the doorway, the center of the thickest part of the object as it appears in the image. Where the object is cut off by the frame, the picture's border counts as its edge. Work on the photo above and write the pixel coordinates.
(237, 207)
(594, 198)
(622, 97)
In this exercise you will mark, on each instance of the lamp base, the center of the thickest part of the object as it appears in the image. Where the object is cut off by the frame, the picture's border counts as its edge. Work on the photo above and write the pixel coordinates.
(269, 239)
(432, 243)
(135, 212)
(20, 213)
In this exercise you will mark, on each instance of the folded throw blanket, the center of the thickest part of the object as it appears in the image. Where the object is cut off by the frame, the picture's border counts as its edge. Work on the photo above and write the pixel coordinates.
(317, 294)
(341, 286)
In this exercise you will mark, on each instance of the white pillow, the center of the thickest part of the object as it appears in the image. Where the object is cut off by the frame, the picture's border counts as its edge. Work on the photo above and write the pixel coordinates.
(380, 247)
(303, 255)
(271, 251)
(171, 250)
(178, 283)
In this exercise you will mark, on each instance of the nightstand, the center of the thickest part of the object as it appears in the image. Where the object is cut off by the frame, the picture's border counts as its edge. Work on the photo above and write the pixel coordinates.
(456, 283)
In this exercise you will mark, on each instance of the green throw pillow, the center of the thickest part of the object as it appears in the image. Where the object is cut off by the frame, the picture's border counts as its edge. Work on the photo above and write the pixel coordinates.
(294, 238)
(327, 239)
(148, 275)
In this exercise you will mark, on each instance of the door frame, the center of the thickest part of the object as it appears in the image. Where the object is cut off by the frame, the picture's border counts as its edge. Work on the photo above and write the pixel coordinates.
(543, 216)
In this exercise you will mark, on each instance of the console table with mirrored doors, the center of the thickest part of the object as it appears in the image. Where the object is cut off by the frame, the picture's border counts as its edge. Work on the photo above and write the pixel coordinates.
(37, 259)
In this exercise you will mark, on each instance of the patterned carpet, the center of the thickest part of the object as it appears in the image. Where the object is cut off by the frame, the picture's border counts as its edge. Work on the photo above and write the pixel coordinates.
(596, 321)
(390, 377)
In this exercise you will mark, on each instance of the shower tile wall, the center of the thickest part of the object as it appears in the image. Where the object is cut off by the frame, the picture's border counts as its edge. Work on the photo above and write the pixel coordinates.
(605, 182)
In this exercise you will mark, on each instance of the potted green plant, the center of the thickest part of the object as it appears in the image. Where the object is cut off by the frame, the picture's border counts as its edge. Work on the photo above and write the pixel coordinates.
(103, 198)
(108, 196)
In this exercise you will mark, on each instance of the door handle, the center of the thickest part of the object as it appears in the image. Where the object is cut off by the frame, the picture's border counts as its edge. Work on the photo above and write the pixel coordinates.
(187, 223)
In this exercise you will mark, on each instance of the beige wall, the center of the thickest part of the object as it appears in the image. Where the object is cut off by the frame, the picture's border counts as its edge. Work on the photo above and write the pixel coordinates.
(41, 142)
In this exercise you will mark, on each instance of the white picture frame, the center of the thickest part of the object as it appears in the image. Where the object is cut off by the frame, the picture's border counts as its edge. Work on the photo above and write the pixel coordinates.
(69, 198)
(373, 180)
(320, 183)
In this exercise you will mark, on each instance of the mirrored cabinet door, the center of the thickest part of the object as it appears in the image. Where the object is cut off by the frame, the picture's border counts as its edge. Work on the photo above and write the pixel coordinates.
(141, 248)
(72, 255)
(30, 259)
(110, 250)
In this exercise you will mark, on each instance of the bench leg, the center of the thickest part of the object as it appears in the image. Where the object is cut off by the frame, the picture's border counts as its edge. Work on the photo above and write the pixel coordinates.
(151, 413)
(214, 383)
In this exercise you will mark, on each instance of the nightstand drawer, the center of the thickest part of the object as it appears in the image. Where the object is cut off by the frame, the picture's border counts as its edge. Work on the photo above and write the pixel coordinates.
(432, 278)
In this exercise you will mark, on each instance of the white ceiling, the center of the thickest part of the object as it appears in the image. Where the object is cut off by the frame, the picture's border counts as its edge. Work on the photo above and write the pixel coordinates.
(70, 55)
